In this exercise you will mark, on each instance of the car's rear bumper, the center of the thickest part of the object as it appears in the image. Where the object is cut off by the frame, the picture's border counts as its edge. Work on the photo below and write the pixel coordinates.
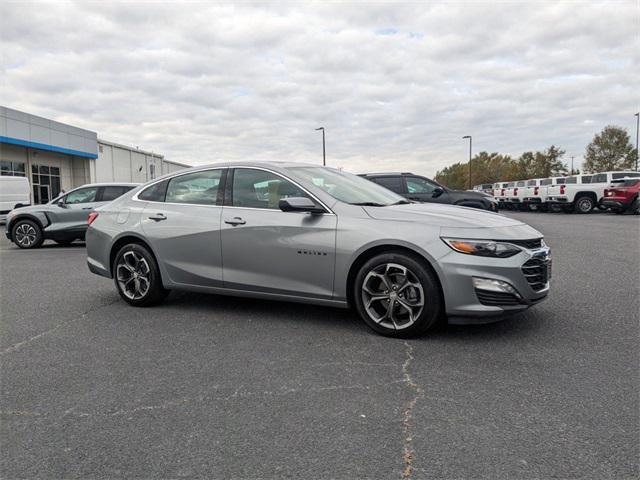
(532, 200)
(611, 203)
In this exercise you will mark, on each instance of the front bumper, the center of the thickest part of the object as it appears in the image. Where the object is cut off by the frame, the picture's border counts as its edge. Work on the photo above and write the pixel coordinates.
(613, 202)
(465, 304)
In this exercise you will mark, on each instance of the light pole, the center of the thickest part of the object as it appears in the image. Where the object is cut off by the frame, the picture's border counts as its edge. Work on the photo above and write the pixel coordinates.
(324, 154)
(470, 140)
(571, 165)
(637, 130)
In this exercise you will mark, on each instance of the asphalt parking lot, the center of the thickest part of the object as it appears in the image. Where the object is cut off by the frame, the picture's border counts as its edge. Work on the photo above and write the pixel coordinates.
(209, 386)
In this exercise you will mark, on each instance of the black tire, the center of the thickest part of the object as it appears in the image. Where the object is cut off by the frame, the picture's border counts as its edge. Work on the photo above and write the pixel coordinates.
(635, 207)
(420, 319)
(135, 256)
(27, 234)
(567, 209)
(584, 204)
(618, 211)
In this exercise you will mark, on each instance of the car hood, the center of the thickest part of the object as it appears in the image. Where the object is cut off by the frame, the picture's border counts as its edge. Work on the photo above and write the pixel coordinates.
(456, 221)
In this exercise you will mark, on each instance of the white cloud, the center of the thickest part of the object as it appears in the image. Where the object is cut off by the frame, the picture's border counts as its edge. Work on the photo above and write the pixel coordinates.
(395, 86)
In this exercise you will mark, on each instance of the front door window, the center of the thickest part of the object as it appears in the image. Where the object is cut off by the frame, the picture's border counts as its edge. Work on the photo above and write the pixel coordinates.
(254, 188)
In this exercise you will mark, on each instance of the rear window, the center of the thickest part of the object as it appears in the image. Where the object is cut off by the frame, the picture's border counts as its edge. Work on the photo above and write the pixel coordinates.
(112, 192)
(625, 174)
(586, 179)
(392, 183)
(571, 180)
(625, 183)
(546, 181)
(560, 181)
(599, 178)
(511, 184)
(521, 183)
(531, 183)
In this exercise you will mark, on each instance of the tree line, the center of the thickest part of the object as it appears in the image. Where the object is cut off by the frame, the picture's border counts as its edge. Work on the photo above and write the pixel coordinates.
(611, 149)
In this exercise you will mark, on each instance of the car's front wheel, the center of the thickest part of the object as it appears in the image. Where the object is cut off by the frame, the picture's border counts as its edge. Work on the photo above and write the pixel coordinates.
(137, 276)
(27, 234)
(397, 295)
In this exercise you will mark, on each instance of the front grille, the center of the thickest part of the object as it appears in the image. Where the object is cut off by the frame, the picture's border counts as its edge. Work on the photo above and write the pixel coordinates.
(530, 244)
(496, 299)
(537, 271)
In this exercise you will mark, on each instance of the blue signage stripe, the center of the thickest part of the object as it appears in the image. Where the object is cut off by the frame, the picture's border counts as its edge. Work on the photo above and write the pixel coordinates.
(44, 146)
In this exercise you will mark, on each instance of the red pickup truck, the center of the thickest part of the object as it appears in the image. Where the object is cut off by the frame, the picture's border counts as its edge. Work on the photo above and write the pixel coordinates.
(623, 196)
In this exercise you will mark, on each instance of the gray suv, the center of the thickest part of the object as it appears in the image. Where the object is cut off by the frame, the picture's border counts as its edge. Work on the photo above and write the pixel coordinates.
(305, 233)
(63, 219)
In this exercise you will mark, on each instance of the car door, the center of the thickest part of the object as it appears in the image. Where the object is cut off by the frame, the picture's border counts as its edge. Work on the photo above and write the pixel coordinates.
(181, 221)
(423, 190)
(71, 211)
(267, 250)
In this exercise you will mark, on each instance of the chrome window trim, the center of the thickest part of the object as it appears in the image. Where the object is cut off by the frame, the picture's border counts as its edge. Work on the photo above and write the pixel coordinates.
(189, 171)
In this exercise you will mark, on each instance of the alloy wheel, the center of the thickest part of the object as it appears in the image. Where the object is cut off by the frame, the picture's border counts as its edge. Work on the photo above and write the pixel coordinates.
(585, 205)
(25, 235)
(392, 296)
(132, 273)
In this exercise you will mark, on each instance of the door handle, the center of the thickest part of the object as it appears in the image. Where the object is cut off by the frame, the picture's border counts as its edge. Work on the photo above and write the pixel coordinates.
(235, 221)
(158, 217)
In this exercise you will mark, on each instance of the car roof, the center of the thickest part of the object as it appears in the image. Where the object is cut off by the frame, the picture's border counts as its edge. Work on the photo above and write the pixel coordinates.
(109, 184)
(385, 174)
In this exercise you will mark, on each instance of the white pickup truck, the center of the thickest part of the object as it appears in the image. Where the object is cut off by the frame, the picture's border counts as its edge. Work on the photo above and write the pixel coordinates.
(499, 190)
(532, 194)
(515, 194)
(582, 193)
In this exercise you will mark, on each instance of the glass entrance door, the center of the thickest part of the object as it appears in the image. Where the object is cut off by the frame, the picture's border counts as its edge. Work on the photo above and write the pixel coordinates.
(45, 193)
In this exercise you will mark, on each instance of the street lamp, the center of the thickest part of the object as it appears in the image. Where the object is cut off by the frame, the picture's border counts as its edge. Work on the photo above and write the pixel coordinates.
(470, 140)
(637, 129)
(324, 154)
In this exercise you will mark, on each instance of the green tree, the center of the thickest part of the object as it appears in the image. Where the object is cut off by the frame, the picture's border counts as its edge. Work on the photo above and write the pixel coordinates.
(610, 150)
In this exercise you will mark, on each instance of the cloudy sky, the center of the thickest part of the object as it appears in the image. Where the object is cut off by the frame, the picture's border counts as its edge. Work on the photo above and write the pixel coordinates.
(395, 85)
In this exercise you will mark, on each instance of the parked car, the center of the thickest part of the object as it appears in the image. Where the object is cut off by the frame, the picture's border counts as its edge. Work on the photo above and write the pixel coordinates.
(317, 235)
(623, 196)
(63, 219)
(15, 192)
(422, 189)
(499, 190)
(532, 195)
(515, 194)
(582, 193)
(484, 188)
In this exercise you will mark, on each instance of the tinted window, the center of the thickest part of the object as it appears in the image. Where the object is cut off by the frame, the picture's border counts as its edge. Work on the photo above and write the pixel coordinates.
(111, 193)
(599, 178)
(531, 183)
(199, 188)
(511, 184)
(560, 181)
(546, 181)
(521, 184)
(625, 183)
(154, 193)
(261, 189)
(586, 179)
(572, 180)
(82, 195)
(625, 174)
(392, 183)
(420, 185)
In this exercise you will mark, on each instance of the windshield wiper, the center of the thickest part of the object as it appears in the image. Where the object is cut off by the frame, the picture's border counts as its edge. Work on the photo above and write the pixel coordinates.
(369, 204)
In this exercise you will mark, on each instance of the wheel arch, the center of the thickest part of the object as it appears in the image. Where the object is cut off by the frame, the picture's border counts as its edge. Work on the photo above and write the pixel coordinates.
(28, 216)
(369, 252)
(124, 240)
(593, 196)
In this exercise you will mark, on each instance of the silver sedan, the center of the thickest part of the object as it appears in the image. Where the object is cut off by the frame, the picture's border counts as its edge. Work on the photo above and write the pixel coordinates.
(299, 232)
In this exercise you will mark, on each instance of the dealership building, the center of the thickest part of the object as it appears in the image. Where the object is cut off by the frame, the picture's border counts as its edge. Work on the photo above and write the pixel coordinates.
(58, 157)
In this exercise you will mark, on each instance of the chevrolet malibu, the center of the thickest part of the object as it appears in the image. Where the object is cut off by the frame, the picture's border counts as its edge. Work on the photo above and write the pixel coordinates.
(304, 233)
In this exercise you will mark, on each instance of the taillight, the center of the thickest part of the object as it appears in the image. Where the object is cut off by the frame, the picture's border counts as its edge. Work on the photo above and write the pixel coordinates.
(536, 190)
(515, 191)
(92, 217)
(562, 187)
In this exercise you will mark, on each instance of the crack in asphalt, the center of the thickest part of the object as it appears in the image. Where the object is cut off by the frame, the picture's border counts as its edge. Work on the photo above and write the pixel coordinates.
(408, 453)
(17, 346)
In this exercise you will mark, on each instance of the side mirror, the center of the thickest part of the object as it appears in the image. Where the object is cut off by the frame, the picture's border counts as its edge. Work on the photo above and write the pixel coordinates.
(61, 204)
(299, 204)
(437, 192)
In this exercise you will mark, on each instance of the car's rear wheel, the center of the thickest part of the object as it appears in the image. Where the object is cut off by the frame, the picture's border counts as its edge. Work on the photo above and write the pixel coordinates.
(635, 207)
(27, 234)
(397, 295)
(137, 276)
(584, 205)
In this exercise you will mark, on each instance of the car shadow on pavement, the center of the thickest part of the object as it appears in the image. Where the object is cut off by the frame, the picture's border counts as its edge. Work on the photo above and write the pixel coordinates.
(519, 324)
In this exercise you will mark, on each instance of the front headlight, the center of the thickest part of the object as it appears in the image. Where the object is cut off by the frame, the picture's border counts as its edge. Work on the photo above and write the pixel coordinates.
(483, 248)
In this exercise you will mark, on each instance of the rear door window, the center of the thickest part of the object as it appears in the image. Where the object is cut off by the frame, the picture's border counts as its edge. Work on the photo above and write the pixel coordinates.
(154, 193)
(198, 188)
(392, 183)
(112, 192)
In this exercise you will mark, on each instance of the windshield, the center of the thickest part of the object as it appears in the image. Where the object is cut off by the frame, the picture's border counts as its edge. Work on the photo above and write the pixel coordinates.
(347, 187)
